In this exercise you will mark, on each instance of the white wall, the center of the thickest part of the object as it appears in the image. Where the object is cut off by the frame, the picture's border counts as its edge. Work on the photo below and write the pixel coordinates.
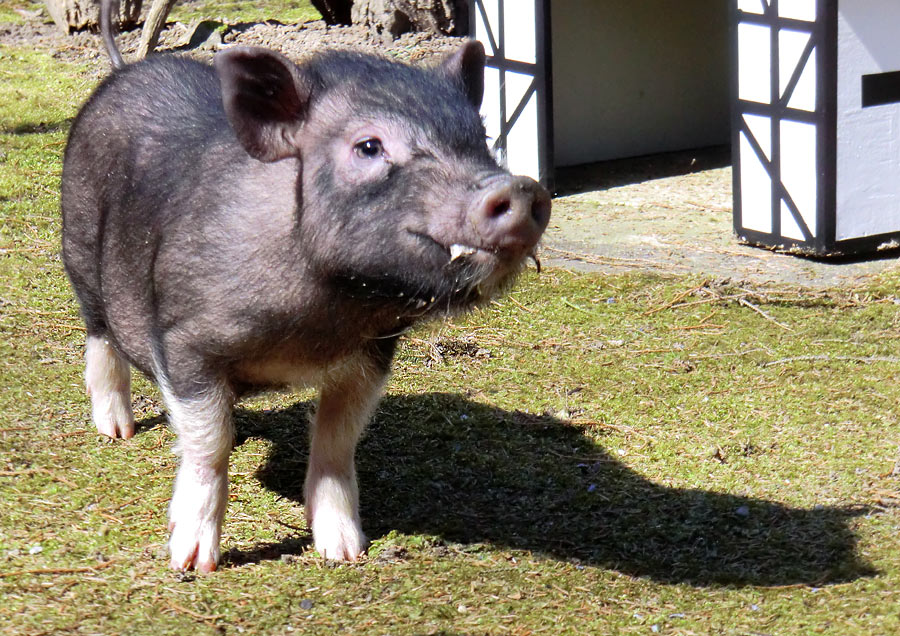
(868, 141)
(634, 77)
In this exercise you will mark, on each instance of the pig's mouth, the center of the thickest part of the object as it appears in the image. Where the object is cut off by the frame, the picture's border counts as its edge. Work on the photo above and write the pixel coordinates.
(459, 276)
(458, 251)
(473, 274)
(453, 252)
(493, 257)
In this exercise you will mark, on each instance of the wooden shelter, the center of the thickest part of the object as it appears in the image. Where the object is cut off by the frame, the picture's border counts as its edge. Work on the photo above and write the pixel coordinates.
(806, 91)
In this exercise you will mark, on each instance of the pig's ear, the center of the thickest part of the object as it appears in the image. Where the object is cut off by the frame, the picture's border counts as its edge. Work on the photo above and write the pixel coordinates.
(266, 99)
(466, 67)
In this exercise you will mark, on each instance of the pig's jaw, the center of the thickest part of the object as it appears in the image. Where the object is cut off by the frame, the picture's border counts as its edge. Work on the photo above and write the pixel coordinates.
(475, 274)
(428, 276)
(461, 251)
(460, 284)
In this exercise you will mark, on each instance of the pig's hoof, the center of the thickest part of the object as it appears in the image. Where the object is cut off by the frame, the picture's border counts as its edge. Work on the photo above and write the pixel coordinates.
(112, 416)
(193, 549)
(338, 539)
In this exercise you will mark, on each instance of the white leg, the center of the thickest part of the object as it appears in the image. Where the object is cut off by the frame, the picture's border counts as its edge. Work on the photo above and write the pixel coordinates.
(332, 497)
(107, 377)
(205, 439)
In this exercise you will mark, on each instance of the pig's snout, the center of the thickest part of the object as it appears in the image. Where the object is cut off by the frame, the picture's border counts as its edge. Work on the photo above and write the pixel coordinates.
(512, 214)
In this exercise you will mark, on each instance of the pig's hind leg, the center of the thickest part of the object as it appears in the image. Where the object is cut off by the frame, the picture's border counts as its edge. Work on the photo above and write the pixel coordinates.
(331, 492)
(107, 378)
(203, 424)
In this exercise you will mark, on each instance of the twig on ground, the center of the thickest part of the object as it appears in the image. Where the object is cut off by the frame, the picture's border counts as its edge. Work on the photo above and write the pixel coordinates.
(290, 527)
(568, 303)
(710, 208)
(42, 571)
(611, 260)
(519, 305)
(826, 358)
(208, 619)
(80, 431)
(59, 325)
(746, 303)
(700, 326)
(33, 471)
(678, 298)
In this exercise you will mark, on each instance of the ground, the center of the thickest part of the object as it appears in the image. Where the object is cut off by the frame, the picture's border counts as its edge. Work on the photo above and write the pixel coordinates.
(673, 213)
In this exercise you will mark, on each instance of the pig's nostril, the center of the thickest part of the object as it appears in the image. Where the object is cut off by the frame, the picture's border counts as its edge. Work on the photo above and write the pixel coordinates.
(500, 207)
(540, 211)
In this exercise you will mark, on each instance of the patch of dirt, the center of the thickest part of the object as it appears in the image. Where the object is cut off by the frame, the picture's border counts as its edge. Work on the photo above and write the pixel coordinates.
(666, 213)
(202, 40)
(673, 214)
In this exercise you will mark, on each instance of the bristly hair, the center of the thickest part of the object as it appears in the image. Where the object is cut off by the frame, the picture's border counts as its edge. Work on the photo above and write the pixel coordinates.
(469, 285)
(429, 98)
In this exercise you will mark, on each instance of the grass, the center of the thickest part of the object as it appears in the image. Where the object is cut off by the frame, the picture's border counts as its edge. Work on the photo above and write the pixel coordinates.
(285, 11)
(234, 11)
(593, 454)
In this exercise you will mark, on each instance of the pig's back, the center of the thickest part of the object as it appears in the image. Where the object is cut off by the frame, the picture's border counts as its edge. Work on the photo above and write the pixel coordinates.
(160, 110)
(158, 95)
(132, 150)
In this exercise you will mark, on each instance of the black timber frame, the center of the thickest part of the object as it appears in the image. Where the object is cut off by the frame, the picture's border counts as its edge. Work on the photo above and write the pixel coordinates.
(541, 85)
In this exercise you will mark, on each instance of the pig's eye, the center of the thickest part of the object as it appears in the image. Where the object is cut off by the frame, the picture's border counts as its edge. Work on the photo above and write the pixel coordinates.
(369, 148)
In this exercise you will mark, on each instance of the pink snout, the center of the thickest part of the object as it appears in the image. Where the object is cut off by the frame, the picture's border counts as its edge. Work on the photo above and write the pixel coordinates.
(512, 214)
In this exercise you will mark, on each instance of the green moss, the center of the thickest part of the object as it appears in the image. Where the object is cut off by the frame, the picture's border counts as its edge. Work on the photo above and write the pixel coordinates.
(11, 11)
(285, 11)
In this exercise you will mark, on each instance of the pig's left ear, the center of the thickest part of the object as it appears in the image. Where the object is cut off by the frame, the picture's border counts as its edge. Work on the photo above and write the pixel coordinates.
(466, 67)
(266, 98)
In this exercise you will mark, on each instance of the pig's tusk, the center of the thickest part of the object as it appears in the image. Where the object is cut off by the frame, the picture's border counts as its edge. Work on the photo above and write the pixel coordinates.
(457, 250)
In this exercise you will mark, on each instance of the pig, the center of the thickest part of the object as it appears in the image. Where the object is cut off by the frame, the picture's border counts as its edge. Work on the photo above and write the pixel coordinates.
(259, 223)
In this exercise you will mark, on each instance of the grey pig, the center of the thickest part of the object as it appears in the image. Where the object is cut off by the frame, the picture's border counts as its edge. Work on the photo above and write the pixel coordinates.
(260, 223)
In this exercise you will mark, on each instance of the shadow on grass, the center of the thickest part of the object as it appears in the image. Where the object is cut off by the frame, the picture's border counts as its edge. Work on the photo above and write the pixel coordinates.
(36, 128)
(442, 465)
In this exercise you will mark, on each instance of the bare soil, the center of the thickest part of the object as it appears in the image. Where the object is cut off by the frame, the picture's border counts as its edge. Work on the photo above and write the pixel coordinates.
(202, 39)
(672, 213)
(667, 213)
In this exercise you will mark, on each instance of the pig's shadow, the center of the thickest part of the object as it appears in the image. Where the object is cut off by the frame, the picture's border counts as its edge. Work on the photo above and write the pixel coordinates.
(442, 465)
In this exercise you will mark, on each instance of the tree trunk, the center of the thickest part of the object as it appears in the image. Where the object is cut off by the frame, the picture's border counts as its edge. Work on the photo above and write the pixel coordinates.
(334, 11)
(153, 26)
(395, 17)
(75, 15)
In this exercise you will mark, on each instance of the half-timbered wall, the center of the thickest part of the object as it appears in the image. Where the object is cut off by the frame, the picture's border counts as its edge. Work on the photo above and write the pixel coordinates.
(814, 87)
(781, 120)
(516, 105)
(816, 132)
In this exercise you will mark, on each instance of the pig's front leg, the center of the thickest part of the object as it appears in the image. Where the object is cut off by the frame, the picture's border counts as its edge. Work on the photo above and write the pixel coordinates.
(332, 497)
(205, 433)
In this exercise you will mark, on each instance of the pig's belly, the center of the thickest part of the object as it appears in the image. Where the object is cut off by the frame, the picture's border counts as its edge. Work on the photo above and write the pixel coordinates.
(279, 372)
